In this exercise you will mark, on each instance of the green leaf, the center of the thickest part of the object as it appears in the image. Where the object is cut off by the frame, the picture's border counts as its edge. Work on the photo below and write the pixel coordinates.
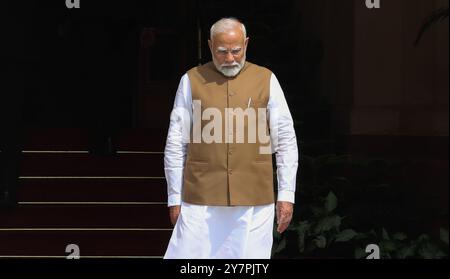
(388, 246)
(430, 251)
(310, 246)
(423, 238)
(317, 211)
(320, 241)
(360, 253)
(327, 223)
(301, 242)
(277, 236)
(345, 235)
(304, 226)
(330, 202)
(443, 233)
(408, 251)
(361, 236)
(440, 255)
(372, 233)
(295, 226)
(385, 234)
(399, 236)
(301, 226)
(280, 246)
(302, 230)
(367, 235)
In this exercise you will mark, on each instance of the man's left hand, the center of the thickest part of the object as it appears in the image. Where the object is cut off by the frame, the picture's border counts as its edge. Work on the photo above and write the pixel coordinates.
(284, 215)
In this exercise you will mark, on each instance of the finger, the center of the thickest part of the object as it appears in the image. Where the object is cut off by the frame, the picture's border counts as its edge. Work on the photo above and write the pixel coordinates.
(176, 218)
(173, 218)
(282, 227)
(285, 217)
(284, 220)
(280, 219)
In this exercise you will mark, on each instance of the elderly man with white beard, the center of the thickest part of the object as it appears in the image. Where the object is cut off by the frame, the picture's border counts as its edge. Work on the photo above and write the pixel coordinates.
(221, 194)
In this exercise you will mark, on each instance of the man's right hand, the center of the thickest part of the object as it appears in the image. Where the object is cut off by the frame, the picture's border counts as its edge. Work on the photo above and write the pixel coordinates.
(174, 211)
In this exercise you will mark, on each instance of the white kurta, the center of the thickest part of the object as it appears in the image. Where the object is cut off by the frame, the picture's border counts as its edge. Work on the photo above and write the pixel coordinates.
(215, 232)
(220, 231)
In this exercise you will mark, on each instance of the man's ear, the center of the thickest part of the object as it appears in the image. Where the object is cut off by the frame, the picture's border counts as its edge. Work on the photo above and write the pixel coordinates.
(246, 42)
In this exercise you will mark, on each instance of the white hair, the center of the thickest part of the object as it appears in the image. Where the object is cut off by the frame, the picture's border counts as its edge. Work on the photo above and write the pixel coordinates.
(227, 24)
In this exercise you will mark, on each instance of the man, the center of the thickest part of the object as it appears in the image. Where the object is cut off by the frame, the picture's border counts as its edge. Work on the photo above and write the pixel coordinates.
(220, 191)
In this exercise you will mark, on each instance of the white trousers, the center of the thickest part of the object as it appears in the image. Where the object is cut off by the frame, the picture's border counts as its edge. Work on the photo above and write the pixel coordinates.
(222, 232)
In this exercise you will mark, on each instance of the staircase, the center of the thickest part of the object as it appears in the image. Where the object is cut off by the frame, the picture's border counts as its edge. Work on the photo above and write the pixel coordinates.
(108, 206)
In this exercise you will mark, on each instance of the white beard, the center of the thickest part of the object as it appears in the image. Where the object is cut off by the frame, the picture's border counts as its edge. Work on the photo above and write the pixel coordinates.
(230, 70)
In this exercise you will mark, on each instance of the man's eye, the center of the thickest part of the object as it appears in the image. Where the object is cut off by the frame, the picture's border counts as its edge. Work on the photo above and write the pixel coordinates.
(235, 51)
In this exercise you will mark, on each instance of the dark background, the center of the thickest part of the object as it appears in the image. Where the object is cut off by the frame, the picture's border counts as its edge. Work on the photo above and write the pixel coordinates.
(370, 108)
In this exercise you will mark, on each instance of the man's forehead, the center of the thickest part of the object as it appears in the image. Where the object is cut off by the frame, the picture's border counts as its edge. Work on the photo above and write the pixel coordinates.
(229, 37)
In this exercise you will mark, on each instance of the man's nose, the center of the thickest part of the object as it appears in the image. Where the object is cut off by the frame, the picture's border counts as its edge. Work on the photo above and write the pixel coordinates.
(229, 58)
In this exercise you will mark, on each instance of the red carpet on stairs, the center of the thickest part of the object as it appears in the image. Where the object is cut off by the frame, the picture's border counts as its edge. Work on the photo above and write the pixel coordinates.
(110, 206)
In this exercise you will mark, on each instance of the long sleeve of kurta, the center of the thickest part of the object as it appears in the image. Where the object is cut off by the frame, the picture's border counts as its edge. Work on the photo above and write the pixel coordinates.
(282, 134)
(176, 146)
(284, 141)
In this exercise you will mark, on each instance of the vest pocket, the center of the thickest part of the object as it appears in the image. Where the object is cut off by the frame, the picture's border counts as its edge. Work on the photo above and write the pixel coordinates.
(259, 103)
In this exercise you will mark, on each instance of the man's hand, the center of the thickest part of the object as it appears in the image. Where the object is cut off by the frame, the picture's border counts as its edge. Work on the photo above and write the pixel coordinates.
(284, 215)
(174, 211)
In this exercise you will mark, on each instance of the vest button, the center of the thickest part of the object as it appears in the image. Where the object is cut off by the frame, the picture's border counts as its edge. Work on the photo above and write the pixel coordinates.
(230, 152)
(231, 94)
(230, 171)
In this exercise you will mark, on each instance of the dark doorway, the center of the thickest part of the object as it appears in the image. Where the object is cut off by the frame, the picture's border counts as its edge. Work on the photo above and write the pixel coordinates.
(102, 65)
(118, 64)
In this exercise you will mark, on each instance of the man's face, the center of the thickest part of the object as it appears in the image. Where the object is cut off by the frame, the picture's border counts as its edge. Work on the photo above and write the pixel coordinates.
(228, 51)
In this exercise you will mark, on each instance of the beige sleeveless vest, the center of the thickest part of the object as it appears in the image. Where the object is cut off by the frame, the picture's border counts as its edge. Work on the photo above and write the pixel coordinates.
(229, 173)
